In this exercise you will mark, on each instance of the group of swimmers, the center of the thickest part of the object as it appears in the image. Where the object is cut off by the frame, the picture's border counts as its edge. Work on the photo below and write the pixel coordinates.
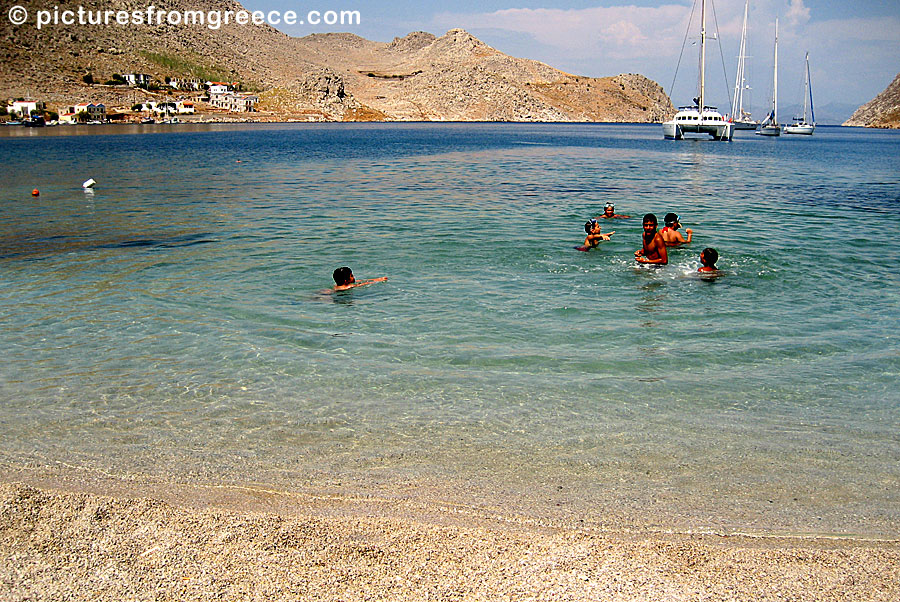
(653, 250)
(655, 242)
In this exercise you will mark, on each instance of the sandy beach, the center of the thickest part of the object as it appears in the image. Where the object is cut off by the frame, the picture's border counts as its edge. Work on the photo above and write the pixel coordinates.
(67, 541)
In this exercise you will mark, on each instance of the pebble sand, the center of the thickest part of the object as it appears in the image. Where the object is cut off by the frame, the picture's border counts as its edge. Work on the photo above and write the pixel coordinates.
(63, 545)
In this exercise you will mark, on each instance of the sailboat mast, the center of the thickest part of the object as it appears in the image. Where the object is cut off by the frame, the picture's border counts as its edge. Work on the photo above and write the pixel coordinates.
(737, 106)
(812, 111)
(775, 90)
(702, 56)
(806, 89)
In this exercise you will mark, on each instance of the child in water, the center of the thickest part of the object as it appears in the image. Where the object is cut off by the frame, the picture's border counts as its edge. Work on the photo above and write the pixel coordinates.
(344, 279)
(594, 234)
(708, 259)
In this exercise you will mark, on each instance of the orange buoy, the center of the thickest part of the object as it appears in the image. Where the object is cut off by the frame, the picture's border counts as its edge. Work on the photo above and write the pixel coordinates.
(35, 192)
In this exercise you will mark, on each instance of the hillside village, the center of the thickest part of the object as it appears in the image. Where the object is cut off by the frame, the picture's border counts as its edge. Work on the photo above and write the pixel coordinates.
(178, 98)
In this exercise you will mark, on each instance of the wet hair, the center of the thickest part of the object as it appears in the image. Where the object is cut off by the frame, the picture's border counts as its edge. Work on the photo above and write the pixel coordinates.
(711, 256)
(671, 218)
(589, 225)
(650, 218)
(342, 276)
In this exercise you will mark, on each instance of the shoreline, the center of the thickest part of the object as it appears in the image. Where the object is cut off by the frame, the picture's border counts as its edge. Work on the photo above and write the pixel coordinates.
(111, 539)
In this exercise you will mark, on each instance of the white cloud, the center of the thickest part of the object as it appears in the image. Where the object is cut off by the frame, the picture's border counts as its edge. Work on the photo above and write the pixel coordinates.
(619, 31)
(854, 57)
(797, 13)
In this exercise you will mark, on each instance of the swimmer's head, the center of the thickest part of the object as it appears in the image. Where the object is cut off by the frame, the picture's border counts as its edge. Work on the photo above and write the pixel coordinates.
(589, 225)
(672, 220)
(609, 209)
(709, 257)
(342, 276)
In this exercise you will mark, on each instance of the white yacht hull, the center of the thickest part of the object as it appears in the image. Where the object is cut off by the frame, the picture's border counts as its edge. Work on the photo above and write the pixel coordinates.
(746, 125)
(718, 130)
(769, 130)
(805, 128)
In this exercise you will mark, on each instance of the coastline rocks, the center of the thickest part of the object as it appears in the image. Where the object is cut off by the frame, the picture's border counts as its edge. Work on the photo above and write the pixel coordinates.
(883, 111)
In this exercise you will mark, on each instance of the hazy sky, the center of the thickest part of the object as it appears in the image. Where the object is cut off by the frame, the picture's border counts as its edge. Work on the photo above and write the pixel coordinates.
(854, 45)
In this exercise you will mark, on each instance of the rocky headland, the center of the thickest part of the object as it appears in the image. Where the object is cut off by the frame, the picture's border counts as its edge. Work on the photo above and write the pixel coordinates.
(881, 112)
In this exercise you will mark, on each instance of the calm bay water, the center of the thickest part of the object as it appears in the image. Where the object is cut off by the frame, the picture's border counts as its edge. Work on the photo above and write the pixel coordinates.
(171, 325)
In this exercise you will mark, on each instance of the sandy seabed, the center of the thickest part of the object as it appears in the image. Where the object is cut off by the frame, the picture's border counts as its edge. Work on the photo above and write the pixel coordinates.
(65, 543)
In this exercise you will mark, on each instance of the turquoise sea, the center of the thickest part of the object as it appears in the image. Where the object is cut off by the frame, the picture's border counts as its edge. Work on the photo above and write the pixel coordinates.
(170, 325)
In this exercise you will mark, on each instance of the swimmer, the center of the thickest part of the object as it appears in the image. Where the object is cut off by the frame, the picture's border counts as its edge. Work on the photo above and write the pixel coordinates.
(653, 250)
(708, 259)
(671, 234)
(594, 234)
(344, 279)
(609, 212)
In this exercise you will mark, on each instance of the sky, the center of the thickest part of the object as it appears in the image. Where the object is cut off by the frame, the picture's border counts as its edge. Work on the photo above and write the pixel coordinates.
(853, 45)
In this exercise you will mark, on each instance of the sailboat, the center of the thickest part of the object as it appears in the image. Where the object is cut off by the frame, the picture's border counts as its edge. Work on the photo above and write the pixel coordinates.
(801, 125)
(769, 126)
(742, 119)
(699, 118)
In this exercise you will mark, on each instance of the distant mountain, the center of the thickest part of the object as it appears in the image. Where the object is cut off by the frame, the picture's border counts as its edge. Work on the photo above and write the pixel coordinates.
(833, 113)
(881, 112)
(319, 77)
(458, 77)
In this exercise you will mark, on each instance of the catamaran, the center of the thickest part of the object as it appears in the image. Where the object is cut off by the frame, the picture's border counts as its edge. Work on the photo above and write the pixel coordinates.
(801, 125)
(769, 126)
(699, 118)
(742, 119)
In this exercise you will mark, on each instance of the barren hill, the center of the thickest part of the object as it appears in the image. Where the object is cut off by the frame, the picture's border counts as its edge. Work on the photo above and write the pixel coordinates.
(331, 76)
(883, 111)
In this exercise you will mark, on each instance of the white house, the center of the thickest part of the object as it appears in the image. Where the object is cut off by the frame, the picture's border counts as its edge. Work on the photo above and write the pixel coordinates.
(25, 108)
(137, 79)
(236, 103)
(185, 83)
(218, 88)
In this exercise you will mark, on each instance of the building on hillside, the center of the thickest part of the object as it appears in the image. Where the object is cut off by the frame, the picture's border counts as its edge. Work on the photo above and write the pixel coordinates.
(185, 83)
(179, 107)
(234, 102)
(219, 87)
(137, 79)
(94, 112)
(24, 108)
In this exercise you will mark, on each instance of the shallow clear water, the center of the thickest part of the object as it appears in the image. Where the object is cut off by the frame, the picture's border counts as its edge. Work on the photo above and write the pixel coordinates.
(172, 324)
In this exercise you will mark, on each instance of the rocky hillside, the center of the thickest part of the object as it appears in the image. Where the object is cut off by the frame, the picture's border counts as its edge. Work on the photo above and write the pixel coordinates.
(323, 76)
(458, 77)
(881, 112)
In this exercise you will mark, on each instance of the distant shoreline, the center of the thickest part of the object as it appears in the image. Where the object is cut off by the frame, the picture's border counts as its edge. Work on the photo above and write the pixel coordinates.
(105, 128)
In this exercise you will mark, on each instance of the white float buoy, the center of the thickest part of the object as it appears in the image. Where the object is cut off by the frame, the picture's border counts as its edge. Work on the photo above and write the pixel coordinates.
(89, 183)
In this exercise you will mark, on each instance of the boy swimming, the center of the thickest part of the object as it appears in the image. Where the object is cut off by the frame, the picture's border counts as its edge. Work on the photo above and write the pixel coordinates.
(708, 259)
(344, 279)
(594, 234)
